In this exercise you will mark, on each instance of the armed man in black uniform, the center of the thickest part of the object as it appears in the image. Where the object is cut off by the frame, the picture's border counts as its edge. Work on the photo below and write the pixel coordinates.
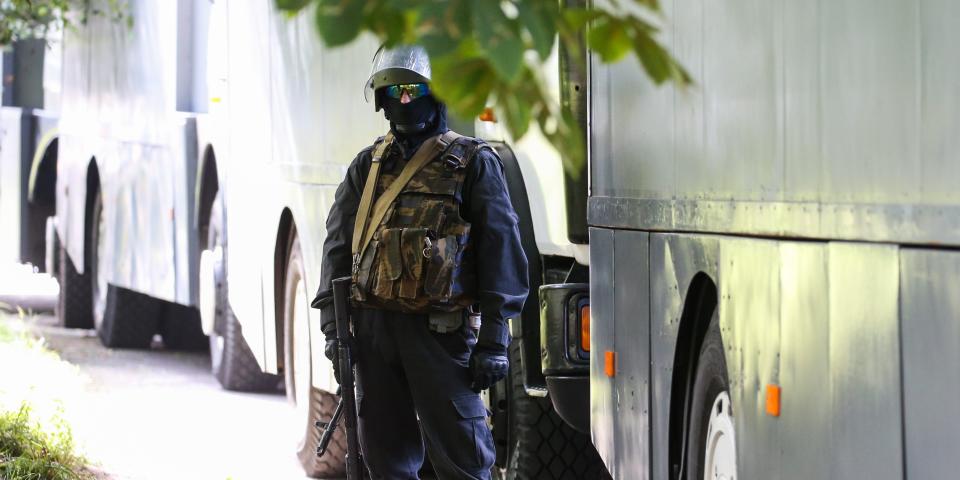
(424, 225)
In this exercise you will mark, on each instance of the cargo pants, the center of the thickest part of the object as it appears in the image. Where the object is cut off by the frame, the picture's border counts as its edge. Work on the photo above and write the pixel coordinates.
(407, 372)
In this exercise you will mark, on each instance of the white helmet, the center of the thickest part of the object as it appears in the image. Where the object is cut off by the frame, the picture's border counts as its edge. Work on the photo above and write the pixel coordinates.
(401, 64)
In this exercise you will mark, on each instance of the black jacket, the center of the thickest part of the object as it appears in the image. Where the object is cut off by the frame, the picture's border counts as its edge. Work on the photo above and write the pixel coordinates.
(502, 284)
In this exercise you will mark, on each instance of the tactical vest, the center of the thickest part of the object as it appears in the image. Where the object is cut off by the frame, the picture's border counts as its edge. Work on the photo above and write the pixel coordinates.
(412, 249)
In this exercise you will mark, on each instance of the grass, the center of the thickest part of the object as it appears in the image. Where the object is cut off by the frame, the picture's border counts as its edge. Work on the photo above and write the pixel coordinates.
(30, 450)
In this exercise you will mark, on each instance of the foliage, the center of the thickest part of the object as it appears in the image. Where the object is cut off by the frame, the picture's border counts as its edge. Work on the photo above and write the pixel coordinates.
(28, 452)
(493, 52)
(29, 18)
(21, 19)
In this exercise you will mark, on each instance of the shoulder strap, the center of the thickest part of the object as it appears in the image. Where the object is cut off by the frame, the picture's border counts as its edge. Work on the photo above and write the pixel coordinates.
(427, 152)
(369, 188)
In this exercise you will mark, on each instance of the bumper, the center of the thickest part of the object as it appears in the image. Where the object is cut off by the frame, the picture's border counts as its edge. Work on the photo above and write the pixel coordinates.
(565, 364)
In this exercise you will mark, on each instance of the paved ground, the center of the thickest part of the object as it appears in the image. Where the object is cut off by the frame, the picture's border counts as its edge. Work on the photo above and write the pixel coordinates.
(158, 414)
(161, 415)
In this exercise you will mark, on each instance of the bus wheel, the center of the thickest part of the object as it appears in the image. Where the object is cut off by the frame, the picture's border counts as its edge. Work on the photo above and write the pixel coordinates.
(540, 444)
(123, 318)
(312, 404)
(231, 360)
(711, 443)
(73, 302)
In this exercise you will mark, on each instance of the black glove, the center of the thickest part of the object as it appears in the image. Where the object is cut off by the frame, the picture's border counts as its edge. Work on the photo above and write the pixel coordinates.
(487, 367)
(332, 353)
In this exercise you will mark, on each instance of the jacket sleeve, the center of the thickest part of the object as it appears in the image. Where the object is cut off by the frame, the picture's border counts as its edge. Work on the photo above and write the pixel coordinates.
(502, 281)
(337, 255)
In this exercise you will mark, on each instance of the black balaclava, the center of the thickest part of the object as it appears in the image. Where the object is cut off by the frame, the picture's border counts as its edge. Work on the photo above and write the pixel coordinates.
(416, 121)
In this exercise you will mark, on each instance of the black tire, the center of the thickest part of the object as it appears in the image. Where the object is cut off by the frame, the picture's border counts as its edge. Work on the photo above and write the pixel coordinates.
(130, 319)
(231, 360)
(543, 446)
(181, 330)
(710, 381)
(73, 302)
(321, 404)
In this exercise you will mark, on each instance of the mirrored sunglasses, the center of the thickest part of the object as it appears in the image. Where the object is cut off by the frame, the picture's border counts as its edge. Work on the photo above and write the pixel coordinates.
(415, 90)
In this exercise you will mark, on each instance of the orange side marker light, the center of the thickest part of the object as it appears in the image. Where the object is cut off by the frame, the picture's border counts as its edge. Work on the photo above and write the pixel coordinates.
(610, 363)
(585, 328)
(773, 400)
(487, 115)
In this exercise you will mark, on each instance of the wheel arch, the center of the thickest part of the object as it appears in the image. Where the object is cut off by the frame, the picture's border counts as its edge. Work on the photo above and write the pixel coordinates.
(93, 185)
(529, 328)
(286, 231)
(205, 191)
(43, 170)
(698, 308)
(41, 202)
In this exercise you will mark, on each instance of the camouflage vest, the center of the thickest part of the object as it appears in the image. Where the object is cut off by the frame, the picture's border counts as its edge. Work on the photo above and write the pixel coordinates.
(419, 258)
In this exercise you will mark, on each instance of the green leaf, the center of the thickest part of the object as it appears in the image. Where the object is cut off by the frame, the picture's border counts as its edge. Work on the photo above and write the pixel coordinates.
(651, 4)
(516, 109)
(540, 18)
(441, 26)
(339, 21)
(292, 6)
(388, 23)
(498, 38)
(609, 38)
(464, 83)
(655, 60)
(577, 18)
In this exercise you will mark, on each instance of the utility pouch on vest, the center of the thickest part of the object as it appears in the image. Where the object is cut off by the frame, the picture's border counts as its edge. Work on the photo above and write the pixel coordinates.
(442, 262)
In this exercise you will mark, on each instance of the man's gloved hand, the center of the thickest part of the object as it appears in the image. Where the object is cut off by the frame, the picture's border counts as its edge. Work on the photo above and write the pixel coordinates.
(331, 352)
(488, 366)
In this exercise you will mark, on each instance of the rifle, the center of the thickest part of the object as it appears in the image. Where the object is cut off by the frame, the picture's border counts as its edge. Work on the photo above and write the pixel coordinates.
(348, 403)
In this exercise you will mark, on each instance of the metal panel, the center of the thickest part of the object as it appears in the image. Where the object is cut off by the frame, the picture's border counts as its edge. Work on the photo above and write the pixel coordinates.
(930, 338)
(741, 107)
(869, 93)
(11, 125)
(845, 109)
(689, 122)
(243, 169)
(894, 223)
(749, 307)
(674, 261)
(801, 105)
(940, 100)
(632, 327)
(804, 425)
(185, 252)
(602, 310)
(864, 379)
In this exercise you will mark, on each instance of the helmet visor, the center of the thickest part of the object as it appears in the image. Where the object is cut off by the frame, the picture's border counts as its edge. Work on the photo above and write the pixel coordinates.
(403, 64)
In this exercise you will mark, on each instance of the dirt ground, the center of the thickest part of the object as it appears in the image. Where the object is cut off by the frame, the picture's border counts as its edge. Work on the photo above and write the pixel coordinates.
(158, 414)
